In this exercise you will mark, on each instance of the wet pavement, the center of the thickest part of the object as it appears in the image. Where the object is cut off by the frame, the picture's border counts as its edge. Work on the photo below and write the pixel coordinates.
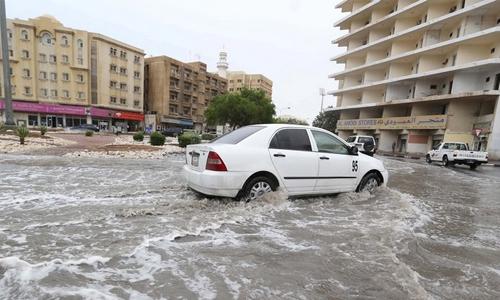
(115, 228)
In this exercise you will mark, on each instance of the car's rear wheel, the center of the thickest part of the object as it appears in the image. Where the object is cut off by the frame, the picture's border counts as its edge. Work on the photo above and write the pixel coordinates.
(473, 166)
(428, 159)
(446, 162)
(369, 183)
(257, 187)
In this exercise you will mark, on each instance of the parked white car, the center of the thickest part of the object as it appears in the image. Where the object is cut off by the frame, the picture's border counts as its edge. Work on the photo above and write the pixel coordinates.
(302, 160)
(451, 153)
(365, 143)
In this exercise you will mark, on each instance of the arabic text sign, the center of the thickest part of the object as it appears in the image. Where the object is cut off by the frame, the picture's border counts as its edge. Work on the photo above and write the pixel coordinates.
(417, 122)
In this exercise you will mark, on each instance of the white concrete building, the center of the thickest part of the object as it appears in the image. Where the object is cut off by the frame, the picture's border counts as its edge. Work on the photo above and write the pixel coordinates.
(420, 72)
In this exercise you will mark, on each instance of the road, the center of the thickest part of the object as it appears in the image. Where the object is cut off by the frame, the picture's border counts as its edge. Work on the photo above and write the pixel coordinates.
(117, 228)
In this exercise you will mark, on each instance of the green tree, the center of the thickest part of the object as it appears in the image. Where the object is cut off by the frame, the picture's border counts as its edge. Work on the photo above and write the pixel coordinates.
(327, 120)
(241, 108)
(282, 120)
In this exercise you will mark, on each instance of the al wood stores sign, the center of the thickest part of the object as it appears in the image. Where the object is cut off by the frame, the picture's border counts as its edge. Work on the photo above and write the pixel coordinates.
(417, 122)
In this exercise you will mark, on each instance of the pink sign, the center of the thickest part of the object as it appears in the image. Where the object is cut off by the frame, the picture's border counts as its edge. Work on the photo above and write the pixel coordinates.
(101, 112)
(46, 108)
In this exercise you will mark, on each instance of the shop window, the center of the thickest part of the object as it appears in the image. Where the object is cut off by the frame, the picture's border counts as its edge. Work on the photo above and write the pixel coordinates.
(32, 120)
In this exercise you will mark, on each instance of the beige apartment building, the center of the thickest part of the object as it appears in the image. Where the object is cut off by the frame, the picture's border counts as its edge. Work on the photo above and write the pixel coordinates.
(63, 77)
(177, 93)
(420, 72)
(239, 79)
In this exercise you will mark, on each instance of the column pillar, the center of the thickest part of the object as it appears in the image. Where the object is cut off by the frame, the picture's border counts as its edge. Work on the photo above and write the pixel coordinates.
(494, 140)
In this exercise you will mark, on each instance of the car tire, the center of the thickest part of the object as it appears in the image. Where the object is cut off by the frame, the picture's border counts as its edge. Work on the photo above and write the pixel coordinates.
(473, 166)
(256, 187)
(428, 159)
(369, 182)
(446, 162)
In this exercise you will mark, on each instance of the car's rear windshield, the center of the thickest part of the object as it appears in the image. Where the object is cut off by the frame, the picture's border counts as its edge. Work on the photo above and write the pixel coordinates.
(365, 140)
(351, 139)
(238, 135)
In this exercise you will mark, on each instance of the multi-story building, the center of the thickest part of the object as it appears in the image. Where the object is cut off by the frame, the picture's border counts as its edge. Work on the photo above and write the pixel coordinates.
(63, 77)
(238, 79)
(420, 72)
(177, 93)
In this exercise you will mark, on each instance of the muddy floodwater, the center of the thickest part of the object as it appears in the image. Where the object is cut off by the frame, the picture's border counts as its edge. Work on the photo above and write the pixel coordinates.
(105, 229)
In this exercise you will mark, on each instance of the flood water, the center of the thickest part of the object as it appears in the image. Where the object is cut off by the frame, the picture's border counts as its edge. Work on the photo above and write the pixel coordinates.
(106, 229)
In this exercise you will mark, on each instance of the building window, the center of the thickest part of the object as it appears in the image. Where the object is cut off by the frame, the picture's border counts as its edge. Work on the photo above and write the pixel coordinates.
(26, 73)
(64, 41)
(79, 77)
(112, 68)
(25, 54)
(65, 76)
(112, 99)
(239, 80)
(53, 76)
(52, 59)
(27, 91)
(123, 86)
(137, 89)
(11, 52)
(173, 109)
(24, 35)
(42, 57)
(81, 95)
(80, 43)
(43, 75)
(492, 50)
(137, 59)
(112, 84)
(44, 92)
(137, 74)
(123, 101)
(123, 71)
(65, 93)
(53, 93)
(123, 55)
(46, 39)
(112, 51)
(65, 59)
(79, 60)
(137, 103)
(487, 79)
(32, 120)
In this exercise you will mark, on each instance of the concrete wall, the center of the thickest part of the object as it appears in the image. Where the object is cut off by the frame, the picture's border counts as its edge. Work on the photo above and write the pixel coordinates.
(353, 62)
(399, 69)
(494, 140)
(430, 62)
(373, 96)
(403, 24)
(397, 92)
(386, 139)
(349, 99)
(471, 53)
(374, 55)
(374, 75)
(399, 47)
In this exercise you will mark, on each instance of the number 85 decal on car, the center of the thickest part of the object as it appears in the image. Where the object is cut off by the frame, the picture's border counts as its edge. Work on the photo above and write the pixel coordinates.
(354, 165)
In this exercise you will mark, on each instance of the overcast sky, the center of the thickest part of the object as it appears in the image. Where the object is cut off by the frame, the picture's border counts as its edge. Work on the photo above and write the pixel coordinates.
(289, 41)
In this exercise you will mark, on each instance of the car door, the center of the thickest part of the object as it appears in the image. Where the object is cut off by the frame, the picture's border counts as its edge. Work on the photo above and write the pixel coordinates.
(292, 156)
(338, 168)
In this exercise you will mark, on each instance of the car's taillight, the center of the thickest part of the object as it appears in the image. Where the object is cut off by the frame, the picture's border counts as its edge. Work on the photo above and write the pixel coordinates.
(215, 163)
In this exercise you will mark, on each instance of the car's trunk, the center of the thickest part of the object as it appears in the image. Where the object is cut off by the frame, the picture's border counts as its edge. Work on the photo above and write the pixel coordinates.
(196, 156)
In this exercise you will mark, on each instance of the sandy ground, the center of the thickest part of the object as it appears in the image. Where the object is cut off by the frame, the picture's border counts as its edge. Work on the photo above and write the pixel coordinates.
(79, 145)
(10, 143)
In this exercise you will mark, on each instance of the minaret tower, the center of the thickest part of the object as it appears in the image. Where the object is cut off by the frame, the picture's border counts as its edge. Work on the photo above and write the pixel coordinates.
(222, 64)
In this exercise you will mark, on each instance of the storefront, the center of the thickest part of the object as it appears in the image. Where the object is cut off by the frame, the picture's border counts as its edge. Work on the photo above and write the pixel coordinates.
(176, 123)
(60, 116)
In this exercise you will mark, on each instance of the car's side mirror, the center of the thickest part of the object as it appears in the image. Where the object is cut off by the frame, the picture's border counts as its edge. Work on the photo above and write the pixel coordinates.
(353, 150)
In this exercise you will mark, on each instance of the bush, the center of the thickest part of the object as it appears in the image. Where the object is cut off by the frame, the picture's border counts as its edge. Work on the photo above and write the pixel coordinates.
(43, 130)
(2, 126)
(189, 138)
(157, 139)
(208, 136)
(89, 133)
(22, 132)
(139, 136)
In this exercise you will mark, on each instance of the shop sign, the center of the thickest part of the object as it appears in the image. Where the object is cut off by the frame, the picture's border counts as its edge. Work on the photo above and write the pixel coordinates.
(417, 122)
(126, 115)
(45, 108)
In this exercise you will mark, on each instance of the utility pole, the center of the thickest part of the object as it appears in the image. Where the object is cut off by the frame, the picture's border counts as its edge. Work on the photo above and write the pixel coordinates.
(322, 93)
(9, 115)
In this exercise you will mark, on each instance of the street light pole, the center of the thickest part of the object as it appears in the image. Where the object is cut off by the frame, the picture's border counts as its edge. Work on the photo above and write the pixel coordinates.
(322, 92)
(9, 115)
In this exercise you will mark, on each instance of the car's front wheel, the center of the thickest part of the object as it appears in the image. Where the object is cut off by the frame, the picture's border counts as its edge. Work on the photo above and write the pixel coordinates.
(446, 162)
(369, 183)
(428, 159)
(257, 187)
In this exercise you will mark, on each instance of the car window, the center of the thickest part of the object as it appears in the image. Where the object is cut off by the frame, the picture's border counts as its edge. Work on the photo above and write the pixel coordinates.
(351, 139)
(238, 135)
(329, 143)
(365, 140)
(461, 147)
(453, 146)
(445, 146)
(291, 139)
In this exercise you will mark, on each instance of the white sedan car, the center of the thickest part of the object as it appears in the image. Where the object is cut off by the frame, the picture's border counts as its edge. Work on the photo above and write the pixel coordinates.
(302, 160)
